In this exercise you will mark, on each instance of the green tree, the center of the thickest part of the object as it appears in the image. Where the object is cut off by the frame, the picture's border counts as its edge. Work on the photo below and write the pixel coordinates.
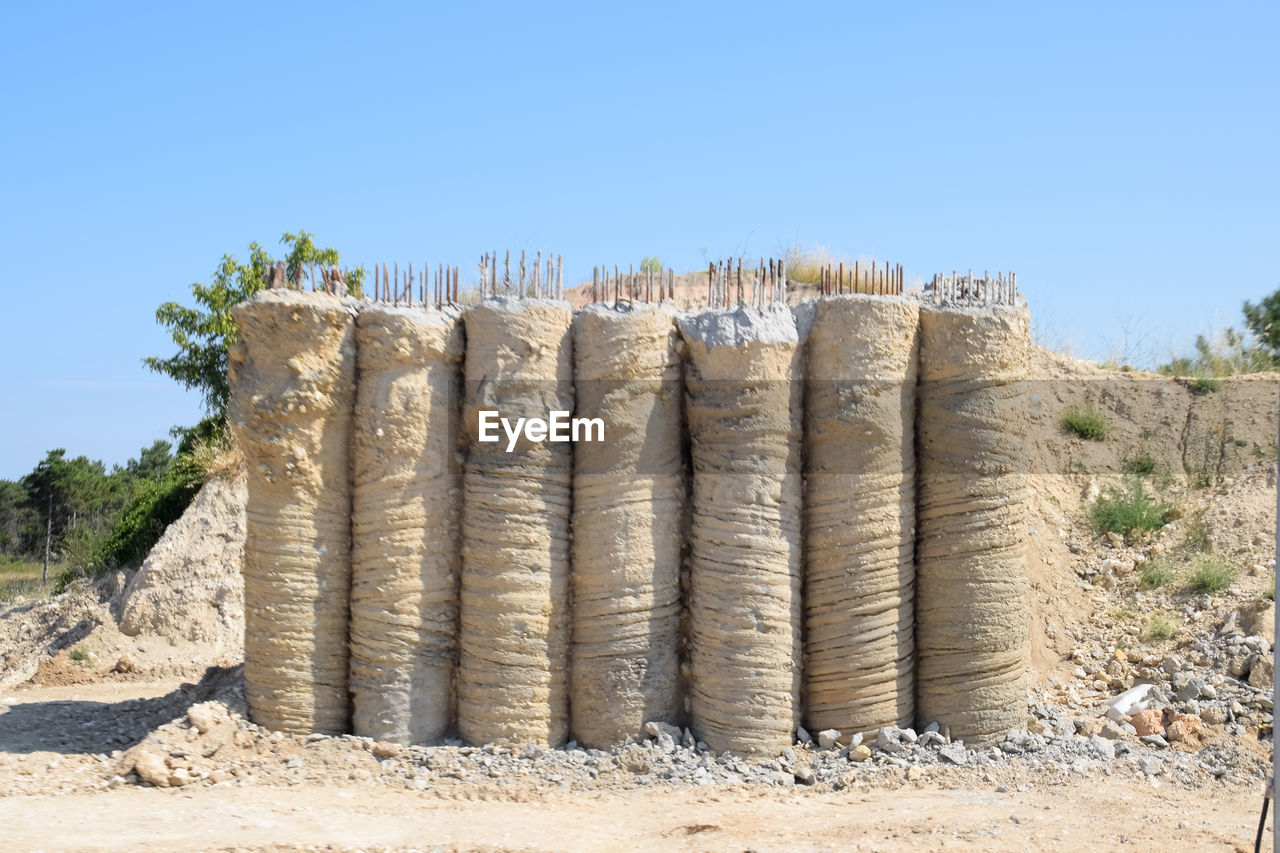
(152, 463)
(1263, 320)
(651, 263)
(204, 332)
(17, 520)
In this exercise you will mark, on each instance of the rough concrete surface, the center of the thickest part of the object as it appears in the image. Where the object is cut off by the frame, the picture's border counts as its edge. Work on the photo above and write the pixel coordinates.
(972, 637)
(513, 684)
(743, 398)
(860, 513)
(628, 524)
(293, 389)
(406, 514)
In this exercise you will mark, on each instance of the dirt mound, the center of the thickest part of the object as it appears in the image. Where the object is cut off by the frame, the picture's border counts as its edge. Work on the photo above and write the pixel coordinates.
(60, 670)
(183, 610)
(190, 587)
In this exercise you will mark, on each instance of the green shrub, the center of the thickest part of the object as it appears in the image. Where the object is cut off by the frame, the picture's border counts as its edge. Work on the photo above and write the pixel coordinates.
(1196, 538)
(1204, 385)
(1159, 627)
(1128, 508)
(80, 656)
(1155, 574)
(1087, 423)
(1211, 574)
(153, 508)
(1140, 464)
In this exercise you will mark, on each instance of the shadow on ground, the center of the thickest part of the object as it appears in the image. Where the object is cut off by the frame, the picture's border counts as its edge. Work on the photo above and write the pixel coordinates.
(81, 727)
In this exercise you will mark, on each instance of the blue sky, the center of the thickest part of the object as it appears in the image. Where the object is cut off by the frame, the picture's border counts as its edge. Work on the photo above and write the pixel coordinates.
(1120, 157)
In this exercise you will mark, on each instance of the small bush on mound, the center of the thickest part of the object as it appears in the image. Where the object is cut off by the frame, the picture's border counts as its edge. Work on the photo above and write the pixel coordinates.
(1087, 423)
(1122, 510)
(1140, 464)
(1159, 627)
(1211, 574)
(1155, 574)
(1204, 385)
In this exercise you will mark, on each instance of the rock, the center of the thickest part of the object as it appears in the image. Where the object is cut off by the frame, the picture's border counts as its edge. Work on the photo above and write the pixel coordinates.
(1185, 728)
(654, 728)
(804, 775)
(1171, 664)
(1115, 540)
(828, 738)
(889, 739)
(1260, 619)
(1090, 726)
(219, 775)
(855, 739)
(1262, 673)
(180, 777)
(1150, 765)
(931, 737)
(1214, 715)
(1111, 730)
(117, 782)
(1192, 688)
(915, 773)
(205, 716)
(385, 749)
(861, 752)
(802, 735)
(1147, 722)
(1157, 741)
(150, 767)
(1102, 747)
(126, 663)
(955, 753)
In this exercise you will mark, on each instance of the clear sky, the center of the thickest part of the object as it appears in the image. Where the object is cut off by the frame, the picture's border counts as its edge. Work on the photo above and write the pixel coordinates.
(1120, 157)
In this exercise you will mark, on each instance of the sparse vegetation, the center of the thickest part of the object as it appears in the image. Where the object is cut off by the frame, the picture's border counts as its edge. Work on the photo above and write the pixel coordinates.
(807, 265)
(80, 657)
(1204, 385)
(1086, 423)
(1139, 464)
(1211, 574)
(1160, 627)
(1128, 508)
(20, 578)
(1196, 538)
(1228, 353)
(1155, 574)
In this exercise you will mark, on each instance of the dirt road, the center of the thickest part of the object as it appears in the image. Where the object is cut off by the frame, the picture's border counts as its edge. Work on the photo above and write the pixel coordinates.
(1088, 816)
(52, 733)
